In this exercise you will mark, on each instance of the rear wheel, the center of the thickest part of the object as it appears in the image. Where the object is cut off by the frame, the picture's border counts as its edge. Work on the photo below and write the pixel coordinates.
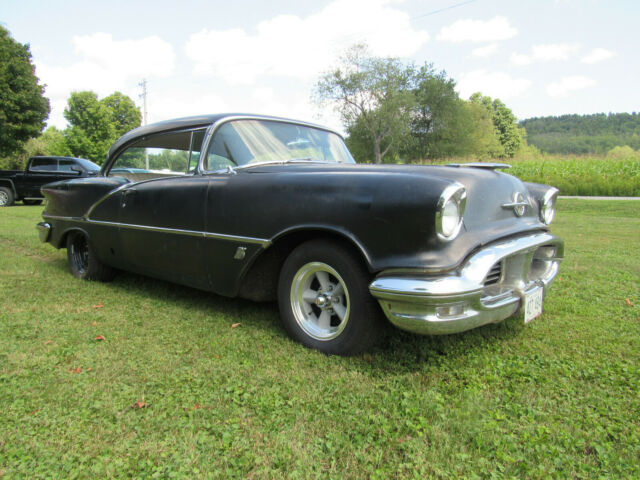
(324, 299)
(83, 261)
(32, 202)
(6, 197)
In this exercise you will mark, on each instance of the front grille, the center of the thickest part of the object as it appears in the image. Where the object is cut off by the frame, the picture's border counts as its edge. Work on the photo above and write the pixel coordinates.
(494, 275)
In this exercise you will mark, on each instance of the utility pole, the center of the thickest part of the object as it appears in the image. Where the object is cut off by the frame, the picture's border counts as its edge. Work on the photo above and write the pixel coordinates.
(143, 84)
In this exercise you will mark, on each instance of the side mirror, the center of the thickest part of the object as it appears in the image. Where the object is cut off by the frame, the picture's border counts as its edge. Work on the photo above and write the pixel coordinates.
(77, 169)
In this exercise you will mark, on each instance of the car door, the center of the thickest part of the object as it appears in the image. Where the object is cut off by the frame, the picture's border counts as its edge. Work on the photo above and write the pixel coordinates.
(161, 212)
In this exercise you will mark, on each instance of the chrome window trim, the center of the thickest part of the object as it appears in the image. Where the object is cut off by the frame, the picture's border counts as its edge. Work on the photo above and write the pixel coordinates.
(177, 231)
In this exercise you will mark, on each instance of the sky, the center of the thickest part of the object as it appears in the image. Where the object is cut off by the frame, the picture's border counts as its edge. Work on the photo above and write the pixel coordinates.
(540, 57)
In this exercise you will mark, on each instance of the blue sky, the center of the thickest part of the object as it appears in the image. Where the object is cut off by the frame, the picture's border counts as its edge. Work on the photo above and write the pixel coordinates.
(546, 57)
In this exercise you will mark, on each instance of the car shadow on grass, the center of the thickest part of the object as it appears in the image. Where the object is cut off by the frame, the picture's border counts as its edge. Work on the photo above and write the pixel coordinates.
(406, 352)
(397, 352)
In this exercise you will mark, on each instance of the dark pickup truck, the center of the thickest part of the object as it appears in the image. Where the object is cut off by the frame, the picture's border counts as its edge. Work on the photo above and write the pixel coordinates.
(25, 185)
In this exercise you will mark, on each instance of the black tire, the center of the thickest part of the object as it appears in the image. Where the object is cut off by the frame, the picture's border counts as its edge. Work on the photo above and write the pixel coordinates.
(345, 324)
(6, 197)
(83, 262)
(32, 202)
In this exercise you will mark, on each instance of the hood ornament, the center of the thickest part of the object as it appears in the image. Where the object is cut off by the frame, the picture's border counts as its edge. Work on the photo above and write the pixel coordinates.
(518, 203)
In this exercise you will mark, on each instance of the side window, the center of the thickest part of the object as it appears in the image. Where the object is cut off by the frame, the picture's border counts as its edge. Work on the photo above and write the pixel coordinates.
(66, 166)
(44, 165)
(162, 155)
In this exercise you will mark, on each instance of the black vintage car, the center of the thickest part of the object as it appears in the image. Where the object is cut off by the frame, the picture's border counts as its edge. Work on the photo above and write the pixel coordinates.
(267, 208)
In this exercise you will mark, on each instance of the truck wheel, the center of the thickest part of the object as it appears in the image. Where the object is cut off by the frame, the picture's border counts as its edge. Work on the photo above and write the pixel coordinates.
(83, 261)
(32, 202)
(324, 299)
(6, 197)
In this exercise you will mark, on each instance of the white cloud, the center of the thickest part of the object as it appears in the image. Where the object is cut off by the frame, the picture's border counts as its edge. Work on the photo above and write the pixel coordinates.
(477, 31)
(598, 55)
(545, 53)
(569, 84)
(291, 46)
(105, 65)
(486, 51)
(494, 84)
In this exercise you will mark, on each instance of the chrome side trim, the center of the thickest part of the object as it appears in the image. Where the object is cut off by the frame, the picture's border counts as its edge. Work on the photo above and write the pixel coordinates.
(176, 231)
(46, 216)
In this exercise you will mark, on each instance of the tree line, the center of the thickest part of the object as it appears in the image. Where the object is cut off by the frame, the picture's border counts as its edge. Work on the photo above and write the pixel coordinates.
(583, 134)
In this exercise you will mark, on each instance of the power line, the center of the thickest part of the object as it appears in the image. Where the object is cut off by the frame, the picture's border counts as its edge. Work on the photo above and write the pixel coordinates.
(451, 7)
(363, 33)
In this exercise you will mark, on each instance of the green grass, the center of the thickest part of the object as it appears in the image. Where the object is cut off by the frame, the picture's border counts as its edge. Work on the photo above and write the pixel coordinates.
(558, 398)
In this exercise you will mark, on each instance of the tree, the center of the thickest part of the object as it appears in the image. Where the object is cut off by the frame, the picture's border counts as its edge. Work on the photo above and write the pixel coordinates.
(504, 122)
(95, 124)
(91, 130)
(482, 139)
(125, 115)
(372, 95)
(23, 107)
(440, 124)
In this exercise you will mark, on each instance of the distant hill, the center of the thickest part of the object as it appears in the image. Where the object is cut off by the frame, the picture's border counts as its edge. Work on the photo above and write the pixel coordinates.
(579, 134)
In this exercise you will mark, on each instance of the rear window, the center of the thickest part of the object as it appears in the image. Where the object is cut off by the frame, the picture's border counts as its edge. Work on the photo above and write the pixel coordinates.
(44, 165)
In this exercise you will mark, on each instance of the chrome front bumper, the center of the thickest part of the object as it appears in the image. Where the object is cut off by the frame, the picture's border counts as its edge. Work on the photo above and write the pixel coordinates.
(488, 288)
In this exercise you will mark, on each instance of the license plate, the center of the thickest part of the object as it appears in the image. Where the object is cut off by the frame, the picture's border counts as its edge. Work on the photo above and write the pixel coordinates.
(533, 305)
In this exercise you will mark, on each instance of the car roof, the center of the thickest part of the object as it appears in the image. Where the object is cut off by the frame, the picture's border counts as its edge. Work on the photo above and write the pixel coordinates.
(194, 122)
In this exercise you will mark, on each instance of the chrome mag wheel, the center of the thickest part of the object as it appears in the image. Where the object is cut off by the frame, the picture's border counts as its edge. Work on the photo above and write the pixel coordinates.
(320, 301)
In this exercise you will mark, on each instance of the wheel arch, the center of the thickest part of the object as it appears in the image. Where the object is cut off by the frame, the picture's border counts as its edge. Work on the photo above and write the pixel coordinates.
(62, 241)
(8, 183)
(259, 280)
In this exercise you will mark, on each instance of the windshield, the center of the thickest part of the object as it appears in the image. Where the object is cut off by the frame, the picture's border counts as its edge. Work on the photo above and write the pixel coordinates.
(243, 142)
(88, 165)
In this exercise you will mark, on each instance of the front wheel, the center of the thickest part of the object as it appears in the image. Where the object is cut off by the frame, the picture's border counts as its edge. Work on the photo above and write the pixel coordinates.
(324, 299)
(83, 261)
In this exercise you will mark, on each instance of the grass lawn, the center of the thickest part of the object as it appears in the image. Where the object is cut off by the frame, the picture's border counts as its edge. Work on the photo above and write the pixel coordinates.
(559, 398)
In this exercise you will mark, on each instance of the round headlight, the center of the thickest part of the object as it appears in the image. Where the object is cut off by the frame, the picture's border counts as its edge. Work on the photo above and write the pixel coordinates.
(548, 206)
(450, 211)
